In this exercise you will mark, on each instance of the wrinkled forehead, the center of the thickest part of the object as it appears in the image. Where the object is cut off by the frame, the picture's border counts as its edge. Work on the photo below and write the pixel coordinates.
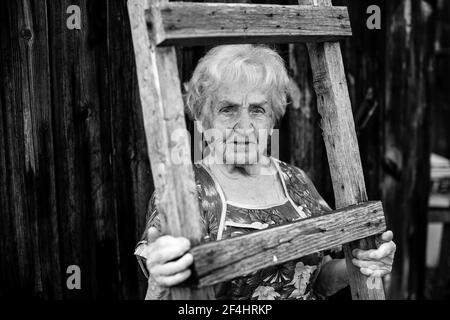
(241, 92)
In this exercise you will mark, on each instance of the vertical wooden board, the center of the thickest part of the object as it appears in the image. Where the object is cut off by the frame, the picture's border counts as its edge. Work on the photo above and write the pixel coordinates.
(83, 191)
(343, 155)
(63, 94)
(167, 139)
(8, 246)
(440, 97)
(30, 167)
(334, 105)
(12, 254)
(406, 139)
(41, 180)
(438, 287)
(132, 177)
(99, 126)
(68, 169)
(5, 272)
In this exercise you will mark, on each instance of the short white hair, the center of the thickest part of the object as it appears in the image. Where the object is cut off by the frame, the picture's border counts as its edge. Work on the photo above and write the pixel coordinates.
(257, 65)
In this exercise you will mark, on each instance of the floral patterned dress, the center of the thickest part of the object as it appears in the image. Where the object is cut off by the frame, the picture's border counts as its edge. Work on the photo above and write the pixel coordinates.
(222, 219)
(290, 280)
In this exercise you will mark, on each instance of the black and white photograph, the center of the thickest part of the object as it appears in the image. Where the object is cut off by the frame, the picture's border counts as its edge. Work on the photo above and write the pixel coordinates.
(235, 151)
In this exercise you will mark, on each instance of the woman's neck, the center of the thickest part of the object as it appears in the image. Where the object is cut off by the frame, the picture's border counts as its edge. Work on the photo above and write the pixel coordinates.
(264, 167)
(256, 184)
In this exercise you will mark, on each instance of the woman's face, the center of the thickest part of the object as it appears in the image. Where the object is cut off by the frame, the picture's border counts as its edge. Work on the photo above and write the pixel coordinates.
(241, 120)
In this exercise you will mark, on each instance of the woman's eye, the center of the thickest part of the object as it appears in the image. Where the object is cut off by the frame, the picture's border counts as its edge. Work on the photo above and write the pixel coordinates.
(226, 110)
(258, 109)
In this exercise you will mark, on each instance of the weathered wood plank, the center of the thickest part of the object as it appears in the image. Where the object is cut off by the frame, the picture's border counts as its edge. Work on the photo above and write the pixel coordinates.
(220, 261)
(76, 135)
(406, 137)
(167, 139)
(180, 23)
(29, 238)
(124, 154)
(339, 134)
(16, 242)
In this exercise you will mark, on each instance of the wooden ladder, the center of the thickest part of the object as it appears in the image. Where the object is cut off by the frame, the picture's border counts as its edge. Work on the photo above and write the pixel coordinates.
(158, 25)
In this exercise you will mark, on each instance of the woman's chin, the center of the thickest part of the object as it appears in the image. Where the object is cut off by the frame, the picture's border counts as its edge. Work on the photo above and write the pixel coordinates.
(241, 159)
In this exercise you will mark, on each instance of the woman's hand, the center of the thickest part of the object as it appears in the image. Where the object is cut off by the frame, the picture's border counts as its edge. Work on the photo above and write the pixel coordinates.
(376, 262)
(167, 258)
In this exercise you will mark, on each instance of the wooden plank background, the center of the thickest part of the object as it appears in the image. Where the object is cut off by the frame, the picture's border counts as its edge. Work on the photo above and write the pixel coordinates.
(74, 173)
(438, 281)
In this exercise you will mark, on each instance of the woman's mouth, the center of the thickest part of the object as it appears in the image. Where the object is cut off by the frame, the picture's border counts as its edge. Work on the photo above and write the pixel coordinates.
(243, 141)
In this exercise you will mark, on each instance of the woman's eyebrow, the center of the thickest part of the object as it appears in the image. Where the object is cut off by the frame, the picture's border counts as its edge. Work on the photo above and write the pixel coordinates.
(226, 102)
(260, 103)
(235, 104)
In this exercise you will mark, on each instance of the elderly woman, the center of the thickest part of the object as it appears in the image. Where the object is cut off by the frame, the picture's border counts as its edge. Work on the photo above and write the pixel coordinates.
(236, 95)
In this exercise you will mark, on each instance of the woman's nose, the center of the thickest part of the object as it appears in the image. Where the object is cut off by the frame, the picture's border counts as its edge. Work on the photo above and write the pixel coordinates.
(244, 122)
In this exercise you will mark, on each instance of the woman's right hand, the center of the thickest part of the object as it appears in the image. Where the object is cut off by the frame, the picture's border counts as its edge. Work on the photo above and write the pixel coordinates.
(167, 258)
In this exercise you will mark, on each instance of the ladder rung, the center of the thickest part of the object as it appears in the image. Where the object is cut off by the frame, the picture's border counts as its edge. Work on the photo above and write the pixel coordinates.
(220, 261)
(188, 23)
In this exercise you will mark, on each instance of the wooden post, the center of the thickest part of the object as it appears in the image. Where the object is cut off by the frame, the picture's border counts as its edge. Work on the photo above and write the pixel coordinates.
(167, 138)
(339, 134)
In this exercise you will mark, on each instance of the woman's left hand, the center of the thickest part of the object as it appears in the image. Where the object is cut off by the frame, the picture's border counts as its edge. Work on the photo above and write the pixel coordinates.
(376, 262)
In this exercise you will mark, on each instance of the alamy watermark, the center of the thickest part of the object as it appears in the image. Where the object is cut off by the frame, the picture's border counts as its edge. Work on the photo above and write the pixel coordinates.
(374, 20)
(74, 279)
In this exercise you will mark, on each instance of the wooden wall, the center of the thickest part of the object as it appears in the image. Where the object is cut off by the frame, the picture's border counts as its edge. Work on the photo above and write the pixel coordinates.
(438, 285)
(75, 178)
(74, 174)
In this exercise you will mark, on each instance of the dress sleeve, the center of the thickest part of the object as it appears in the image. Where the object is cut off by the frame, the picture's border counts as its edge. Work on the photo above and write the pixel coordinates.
(152, 217)
(152, 220)
(154, 292)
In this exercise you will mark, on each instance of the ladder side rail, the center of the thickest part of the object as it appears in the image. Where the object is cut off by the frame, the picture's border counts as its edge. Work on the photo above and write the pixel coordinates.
(334, 106)
(167, 139)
